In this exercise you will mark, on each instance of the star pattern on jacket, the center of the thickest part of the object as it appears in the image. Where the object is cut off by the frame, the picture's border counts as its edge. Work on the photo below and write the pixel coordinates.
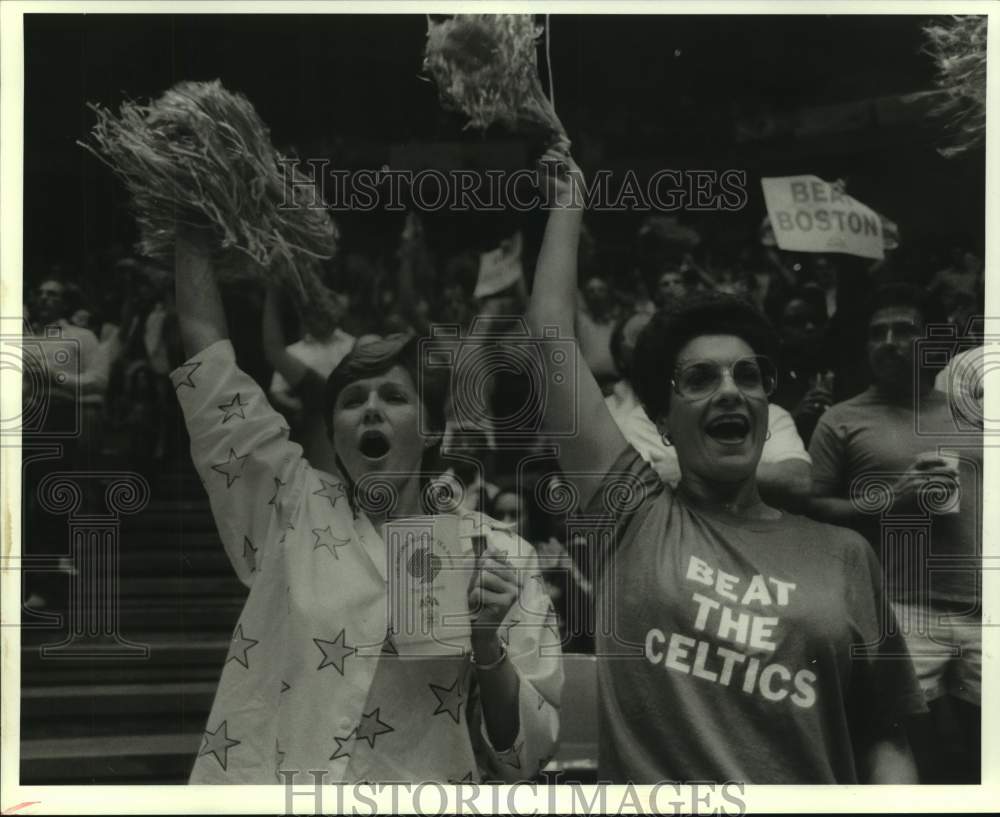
(334, 652)
(512, 755)
(507, 626)
(218, 743)
(249, 554)
(233, 467)
(331, 491)
(234, 408)
(467, 778)
(326, 539)
(187, 370)
(278, 485)
(552, 625)
(284, 535)
(388, 645)
(240, 647)
(449, 699)
(371, 727)
(340, 752)
(285, 686)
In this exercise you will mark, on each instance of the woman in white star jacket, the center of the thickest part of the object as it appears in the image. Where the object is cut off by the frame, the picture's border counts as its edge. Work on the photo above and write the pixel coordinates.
(315, 683)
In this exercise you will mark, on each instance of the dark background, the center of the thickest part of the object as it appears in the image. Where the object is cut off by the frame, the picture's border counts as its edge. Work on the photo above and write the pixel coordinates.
(641, 92)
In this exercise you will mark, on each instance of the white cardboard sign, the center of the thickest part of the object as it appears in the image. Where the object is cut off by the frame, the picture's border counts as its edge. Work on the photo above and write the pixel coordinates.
(810, 215)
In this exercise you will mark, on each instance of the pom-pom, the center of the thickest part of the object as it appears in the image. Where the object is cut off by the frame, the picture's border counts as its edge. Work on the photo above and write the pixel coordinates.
(485, 66)
(958, 47)
(201, 155)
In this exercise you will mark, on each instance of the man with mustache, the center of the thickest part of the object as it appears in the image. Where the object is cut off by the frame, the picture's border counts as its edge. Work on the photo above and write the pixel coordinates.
(901, 432)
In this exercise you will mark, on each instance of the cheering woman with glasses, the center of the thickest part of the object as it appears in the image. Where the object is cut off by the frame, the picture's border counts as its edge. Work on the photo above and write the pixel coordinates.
(735, 641)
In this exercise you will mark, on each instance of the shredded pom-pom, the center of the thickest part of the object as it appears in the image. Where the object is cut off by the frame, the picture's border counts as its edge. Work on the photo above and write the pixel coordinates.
(200, 155)
(485, 65)
(959, 51)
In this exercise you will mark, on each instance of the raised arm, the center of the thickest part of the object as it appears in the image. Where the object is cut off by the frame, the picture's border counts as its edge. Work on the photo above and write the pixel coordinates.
(199, 305)
(597, 441)
(252, 474)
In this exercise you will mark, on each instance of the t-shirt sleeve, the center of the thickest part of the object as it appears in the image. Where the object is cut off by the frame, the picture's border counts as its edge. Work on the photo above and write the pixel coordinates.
(784, 442)
(883, 688)
(251, 471)
(828, 451)
(626, 493)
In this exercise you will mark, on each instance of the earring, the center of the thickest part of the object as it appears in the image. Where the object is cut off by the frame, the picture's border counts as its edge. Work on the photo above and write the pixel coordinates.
(767, 436)
(667, 441)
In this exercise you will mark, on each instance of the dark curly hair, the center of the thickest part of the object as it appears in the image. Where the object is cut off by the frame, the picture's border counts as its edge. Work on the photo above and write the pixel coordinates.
(702, 313)
(906, 294)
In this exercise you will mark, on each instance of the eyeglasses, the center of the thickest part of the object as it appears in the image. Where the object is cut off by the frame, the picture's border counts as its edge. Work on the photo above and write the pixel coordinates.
(754, 376)
(896, 330)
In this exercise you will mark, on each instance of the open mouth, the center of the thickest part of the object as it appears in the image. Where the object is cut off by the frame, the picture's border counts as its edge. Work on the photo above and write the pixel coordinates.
(729, 428)
(374, 445)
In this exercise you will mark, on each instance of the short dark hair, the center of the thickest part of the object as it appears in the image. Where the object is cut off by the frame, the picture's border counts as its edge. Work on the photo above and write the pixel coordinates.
(320, 313)
(904, 294)
(376, 357)
(702, 313)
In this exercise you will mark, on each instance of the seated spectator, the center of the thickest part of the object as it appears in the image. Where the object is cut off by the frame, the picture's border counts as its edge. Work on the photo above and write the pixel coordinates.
(147, 339)
(566, 585)
(960, 281)
(805, 376)
(783, 473)
(78, 383)
(596, 316)
(322, 347)
(70, 379)
(671, 286)
(901, 433)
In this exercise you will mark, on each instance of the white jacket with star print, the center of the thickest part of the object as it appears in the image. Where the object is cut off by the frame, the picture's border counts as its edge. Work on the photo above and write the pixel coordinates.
(313, 681)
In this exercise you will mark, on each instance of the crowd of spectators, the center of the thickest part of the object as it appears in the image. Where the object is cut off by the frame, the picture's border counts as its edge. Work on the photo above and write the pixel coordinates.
(834, 347)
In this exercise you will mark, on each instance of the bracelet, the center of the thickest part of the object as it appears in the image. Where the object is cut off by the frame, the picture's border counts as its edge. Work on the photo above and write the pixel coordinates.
(492, 664)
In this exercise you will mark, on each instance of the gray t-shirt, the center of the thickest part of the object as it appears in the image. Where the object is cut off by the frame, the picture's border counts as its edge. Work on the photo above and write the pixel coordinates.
(867, 436)
(734, 650)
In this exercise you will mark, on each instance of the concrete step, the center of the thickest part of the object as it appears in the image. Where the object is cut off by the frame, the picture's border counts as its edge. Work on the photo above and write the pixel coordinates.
(177, 560)
(184, 589)
(115, 699)
(172, 657)
(162, 759)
